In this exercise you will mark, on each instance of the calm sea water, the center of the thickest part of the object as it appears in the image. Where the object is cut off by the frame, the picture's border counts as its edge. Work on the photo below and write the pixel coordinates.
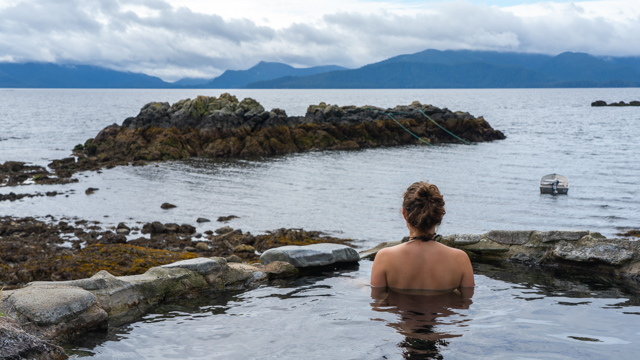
(356, 194)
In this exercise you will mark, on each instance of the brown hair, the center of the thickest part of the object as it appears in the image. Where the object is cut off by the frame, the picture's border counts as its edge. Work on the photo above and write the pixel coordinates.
(424, 205)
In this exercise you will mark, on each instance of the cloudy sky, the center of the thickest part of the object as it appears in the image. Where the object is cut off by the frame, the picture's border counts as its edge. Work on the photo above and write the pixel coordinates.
(202, 38)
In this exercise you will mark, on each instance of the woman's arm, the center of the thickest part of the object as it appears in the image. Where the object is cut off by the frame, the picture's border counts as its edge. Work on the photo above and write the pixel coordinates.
(378, 271)
(467, 271)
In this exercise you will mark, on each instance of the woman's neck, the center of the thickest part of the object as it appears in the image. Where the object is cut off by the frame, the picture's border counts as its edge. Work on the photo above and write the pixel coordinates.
(415, 233)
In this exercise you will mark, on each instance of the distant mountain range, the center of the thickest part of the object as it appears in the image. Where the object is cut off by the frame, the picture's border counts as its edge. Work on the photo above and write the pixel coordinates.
(475, 69)
(426, 69)
(46, 75)
(264, 71)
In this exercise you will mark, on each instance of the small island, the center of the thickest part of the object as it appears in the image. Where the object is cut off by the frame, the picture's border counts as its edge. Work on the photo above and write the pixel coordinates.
(224, 127)
(600, 103)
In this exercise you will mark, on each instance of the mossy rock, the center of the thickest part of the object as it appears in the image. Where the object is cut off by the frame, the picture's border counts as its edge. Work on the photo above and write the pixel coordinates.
(117, 259)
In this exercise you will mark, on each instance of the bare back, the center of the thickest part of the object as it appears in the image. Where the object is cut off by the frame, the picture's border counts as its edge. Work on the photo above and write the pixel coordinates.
(422, 265)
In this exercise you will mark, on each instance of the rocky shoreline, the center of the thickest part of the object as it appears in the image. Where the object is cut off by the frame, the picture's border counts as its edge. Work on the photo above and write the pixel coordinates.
(36, 250)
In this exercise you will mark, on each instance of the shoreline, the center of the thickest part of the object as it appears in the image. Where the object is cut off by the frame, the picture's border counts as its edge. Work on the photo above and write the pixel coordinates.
(35, 250)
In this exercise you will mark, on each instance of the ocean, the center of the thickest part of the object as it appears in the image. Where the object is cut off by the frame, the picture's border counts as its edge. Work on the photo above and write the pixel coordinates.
(357, 194)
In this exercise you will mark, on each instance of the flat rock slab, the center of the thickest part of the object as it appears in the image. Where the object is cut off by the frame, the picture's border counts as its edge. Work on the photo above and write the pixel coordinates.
(311, 255)
(568, 235)
(203, 266)
(46, 305)
(510, 237)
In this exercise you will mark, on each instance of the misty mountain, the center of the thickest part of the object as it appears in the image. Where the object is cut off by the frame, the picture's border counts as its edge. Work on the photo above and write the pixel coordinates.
(47, 75)
(475, 69)
(188, 82)
(235, 79)
(425, 69)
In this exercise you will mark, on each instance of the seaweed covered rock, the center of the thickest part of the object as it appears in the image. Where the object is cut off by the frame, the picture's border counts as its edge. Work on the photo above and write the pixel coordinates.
(224, 127)
(13, 173)
(599, 103)
(35, 250)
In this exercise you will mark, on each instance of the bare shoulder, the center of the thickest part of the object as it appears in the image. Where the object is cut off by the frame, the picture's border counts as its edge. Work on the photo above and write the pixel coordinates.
(461, 254)
(386, 252)
(458, 254)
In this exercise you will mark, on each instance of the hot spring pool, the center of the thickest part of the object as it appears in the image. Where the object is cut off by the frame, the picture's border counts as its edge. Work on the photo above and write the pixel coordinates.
(515, 313)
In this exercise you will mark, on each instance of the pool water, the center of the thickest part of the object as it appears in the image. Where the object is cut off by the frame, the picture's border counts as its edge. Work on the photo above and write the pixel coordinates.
(515, 313)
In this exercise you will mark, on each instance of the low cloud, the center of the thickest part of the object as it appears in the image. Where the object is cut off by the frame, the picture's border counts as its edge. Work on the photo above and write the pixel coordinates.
(160, 39)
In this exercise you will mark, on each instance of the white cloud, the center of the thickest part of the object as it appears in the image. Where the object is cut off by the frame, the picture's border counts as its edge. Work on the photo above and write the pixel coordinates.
(172, 39)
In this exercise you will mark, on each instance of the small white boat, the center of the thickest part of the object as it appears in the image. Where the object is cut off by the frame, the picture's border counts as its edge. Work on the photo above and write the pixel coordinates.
(554, 184)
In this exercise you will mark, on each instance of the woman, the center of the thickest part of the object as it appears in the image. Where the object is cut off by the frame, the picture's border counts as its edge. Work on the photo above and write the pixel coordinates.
(422, 263)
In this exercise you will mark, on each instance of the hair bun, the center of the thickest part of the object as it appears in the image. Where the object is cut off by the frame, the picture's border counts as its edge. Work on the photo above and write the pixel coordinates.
(424, 205)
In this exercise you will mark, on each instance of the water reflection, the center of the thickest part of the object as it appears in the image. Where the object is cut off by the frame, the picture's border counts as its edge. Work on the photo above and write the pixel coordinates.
(421, 314)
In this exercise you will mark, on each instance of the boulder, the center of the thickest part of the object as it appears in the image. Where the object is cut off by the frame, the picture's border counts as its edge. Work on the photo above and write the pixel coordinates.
(55, 304)
(280, 269)
(311, 255)
(224, 230)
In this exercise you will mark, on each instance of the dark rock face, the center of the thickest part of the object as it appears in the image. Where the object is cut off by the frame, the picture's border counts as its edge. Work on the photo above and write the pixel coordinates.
(15, 343)
(225, 127)
(599, 103)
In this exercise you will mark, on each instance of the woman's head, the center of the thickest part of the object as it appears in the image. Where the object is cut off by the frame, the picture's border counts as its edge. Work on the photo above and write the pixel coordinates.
(423, 205)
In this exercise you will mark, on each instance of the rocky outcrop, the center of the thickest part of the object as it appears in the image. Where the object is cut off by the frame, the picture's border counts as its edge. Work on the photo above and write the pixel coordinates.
(311, 255)
(576, 249)
(225, 127)
(599, 103)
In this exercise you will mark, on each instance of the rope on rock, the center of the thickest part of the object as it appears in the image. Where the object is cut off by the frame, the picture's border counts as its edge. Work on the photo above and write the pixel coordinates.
(414, 135)
(409, 131)
(438, 125)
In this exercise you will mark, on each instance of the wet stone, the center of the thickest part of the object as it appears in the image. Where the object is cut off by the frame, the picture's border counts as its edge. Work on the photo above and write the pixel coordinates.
(203, 266)
(509, 237)
(51, 305)
(567, 235)
(311, 255)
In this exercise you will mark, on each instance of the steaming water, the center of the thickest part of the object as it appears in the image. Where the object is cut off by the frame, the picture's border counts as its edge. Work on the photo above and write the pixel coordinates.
(356, 194)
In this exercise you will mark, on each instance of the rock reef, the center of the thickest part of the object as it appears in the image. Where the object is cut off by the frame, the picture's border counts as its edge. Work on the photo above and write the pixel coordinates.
(599, 103)
(13, 173)
(225, 127)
